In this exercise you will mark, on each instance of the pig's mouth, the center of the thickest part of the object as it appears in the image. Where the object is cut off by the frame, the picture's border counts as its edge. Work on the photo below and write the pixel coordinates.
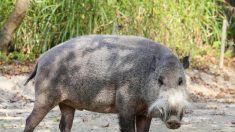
(173, 124)
(171, 121)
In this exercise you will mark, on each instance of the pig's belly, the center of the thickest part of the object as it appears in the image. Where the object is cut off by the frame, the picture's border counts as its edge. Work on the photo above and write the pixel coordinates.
(95, 107)
(103, 101)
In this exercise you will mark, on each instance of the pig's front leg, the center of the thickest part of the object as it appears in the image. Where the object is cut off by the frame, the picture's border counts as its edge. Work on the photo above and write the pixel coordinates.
(127, 123)
(143, 123)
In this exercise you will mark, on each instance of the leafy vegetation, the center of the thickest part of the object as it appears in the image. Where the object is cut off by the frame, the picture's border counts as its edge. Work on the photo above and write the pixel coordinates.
(184, 26)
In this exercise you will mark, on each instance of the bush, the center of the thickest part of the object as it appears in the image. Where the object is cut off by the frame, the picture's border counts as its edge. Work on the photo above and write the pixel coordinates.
(184, 26)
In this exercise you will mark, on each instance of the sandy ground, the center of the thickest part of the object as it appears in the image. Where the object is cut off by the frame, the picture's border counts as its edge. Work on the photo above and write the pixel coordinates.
(213, 107)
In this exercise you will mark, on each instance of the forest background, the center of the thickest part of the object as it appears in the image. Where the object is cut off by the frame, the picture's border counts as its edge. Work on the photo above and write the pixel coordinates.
(187, 27)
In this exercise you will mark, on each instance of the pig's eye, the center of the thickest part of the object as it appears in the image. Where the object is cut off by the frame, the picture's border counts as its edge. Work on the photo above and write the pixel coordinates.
(180, 81)
(160, 80)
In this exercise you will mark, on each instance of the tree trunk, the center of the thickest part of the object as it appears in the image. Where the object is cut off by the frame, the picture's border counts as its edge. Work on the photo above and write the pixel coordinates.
(223, 41)
(12, 23)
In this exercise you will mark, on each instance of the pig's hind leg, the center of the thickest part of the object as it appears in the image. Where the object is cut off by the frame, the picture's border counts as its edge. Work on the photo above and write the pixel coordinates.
(39, 112)
(67, 115)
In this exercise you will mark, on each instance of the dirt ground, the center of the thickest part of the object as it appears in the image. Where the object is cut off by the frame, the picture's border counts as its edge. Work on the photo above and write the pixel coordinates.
(213, 106)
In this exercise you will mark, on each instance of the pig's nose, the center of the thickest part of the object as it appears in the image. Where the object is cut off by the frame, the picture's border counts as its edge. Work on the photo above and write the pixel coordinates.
(173, 124)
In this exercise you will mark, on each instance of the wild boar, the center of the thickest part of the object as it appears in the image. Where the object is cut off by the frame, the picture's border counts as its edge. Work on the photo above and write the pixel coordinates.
(134, 77)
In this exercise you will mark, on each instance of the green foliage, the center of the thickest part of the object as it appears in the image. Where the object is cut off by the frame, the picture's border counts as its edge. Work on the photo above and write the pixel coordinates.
(17, 56)
(20, 56)
(6, 7)
(3, 56)
(182, 25)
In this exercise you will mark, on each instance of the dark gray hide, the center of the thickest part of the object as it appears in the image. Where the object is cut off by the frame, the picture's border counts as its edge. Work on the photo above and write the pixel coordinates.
(109, 74)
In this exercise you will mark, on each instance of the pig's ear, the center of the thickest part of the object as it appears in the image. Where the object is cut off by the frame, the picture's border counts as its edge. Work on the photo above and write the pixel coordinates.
(185, 62)
(153, 64)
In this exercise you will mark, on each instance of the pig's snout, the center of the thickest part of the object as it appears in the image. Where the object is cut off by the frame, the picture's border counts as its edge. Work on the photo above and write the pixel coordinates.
(173, 123)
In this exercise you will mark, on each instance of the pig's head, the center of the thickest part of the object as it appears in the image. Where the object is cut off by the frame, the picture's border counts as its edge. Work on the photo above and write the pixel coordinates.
(167, 85)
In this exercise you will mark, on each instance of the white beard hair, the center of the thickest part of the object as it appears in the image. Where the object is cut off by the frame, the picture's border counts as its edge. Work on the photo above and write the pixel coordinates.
(173, 98)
